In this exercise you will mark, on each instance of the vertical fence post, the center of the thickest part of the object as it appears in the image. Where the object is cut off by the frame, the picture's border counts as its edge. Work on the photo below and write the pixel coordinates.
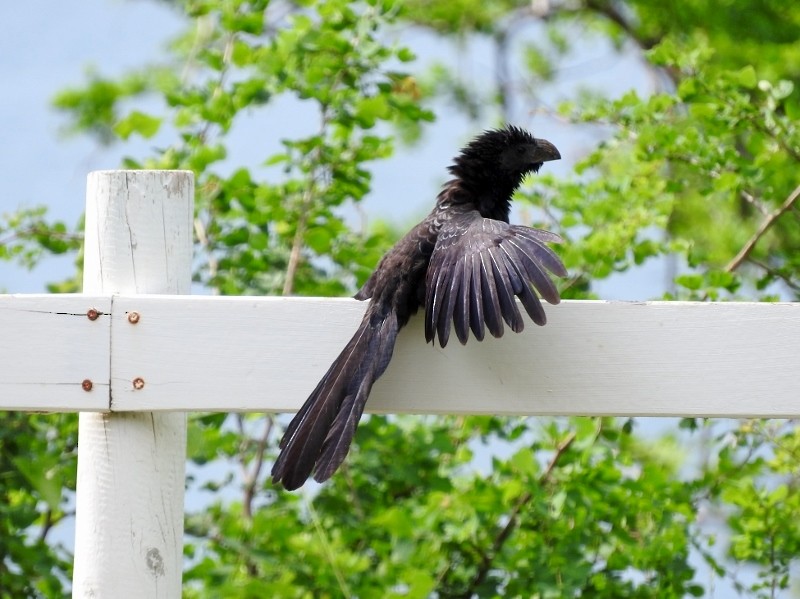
(129, 522)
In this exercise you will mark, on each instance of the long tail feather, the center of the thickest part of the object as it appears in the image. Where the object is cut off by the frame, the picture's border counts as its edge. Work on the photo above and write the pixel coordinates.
(319, 437)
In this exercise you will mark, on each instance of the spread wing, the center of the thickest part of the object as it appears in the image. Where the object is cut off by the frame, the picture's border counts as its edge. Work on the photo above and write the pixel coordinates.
(477, 267)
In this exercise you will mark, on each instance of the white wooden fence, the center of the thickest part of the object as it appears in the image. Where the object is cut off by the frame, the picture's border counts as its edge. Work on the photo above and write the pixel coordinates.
(134, 363)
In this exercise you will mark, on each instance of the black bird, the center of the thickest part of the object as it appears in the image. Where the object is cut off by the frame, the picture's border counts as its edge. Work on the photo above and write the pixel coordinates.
(463, 262)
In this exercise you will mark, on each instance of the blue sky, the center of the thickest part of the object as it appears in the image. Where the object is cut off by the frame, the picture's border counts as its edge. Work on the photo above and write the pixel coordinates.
(50, 46)
(47, 46)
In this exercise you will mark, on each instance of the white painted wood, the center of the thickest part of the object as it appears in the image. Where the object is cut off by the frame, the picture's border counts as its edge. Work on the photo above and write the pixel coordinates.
(49, 348)
(592, 358)
(266, 354)
(129, 524)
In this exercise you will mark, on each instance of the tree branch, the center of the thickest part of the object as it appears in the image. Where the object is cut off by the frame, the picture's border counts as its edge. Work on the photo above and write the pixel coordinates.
(297, 247)
(513, 520)
(202, 237)
(762, 229)
(307, 201)
(49, 521)
(784, 278)
(610, 11)
(251, 477)
(501, 74)
(36, 230)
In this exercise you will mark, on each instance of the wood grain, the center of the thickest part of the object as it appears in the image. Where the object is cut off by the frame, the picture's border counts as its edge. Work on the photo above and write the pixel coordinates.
(50, 347)
(131, 467)
(592, 358)
(206, 353)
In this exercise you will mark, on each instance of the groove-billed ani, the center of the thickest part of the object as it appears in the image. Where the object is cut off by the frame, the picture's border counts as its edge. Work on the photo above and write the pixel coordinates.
(464, 263)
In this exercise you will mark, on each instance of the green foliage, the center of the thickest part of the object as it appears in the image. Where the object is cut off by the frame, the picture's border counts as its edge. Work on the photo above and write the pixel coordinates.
(703, 174)
(32, 495)
(95, 105)
(559, 514)
(26, 236)
(264, 230)
(704, 167)
(758, 32)
(461, 16)
(756, 480)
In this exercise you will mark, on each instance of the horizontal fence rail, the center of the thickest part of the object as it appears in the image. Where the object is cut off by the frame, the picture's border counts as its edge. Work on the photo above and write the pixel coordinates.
(51, 350)
(200, 353)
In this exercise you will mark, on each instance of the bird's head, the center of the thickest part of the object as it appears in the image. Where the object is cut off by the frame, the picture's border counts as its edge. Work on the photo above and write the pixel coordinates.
(492, 166)
(503, 155)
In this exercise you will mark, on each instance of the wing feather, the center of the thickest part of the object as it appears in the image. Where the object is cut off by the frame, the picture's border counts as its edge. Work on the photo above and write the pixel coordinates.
(543, 253)
(505, 290)
(436, 279)
(449, 303)
(491, 303)
(536, 273)
(477, 268)
(476, 299)
(529, 300)
(461, 313)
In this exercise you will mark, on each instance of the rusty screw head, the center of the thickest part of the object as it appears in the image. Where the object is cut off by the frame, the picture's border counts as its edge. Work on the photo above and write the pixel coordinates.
(92, 314)
(133, 317)
(86, 385)
(138, 383)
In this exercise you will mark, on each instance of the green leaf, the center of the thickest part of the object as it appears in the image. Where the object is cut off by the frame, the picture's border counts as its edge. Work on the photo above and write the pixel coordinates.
(370, 109)
(523, 461)
(405, 55)
(690, 281)
(44, 477)
(137, 122)
(746, 77)
(319, 239)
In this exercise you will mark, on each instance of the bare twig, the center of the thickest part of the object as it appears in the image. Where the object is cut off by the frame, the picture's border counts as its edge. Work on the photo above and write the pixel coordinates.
(753, 201)
(49, 521)
(252, 476)
(355, 502)
(505, 532)
(747, 248)
(778, 136)
(501, 74)
(23, 234)
(306, 203)
(785, 279)
(202, 237)
(297, 247)
(344, 588)
(317, 174)
(610, 11)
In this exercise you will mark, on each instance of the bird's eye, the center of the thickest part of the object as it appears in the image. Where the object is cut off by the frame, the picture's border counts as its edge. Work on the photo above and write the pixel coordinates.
(520, 149)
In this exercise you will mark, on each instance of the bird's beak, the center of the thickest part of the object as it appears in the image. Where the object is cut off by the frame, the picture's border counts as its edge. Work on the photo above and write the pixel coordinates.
(545, 151)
